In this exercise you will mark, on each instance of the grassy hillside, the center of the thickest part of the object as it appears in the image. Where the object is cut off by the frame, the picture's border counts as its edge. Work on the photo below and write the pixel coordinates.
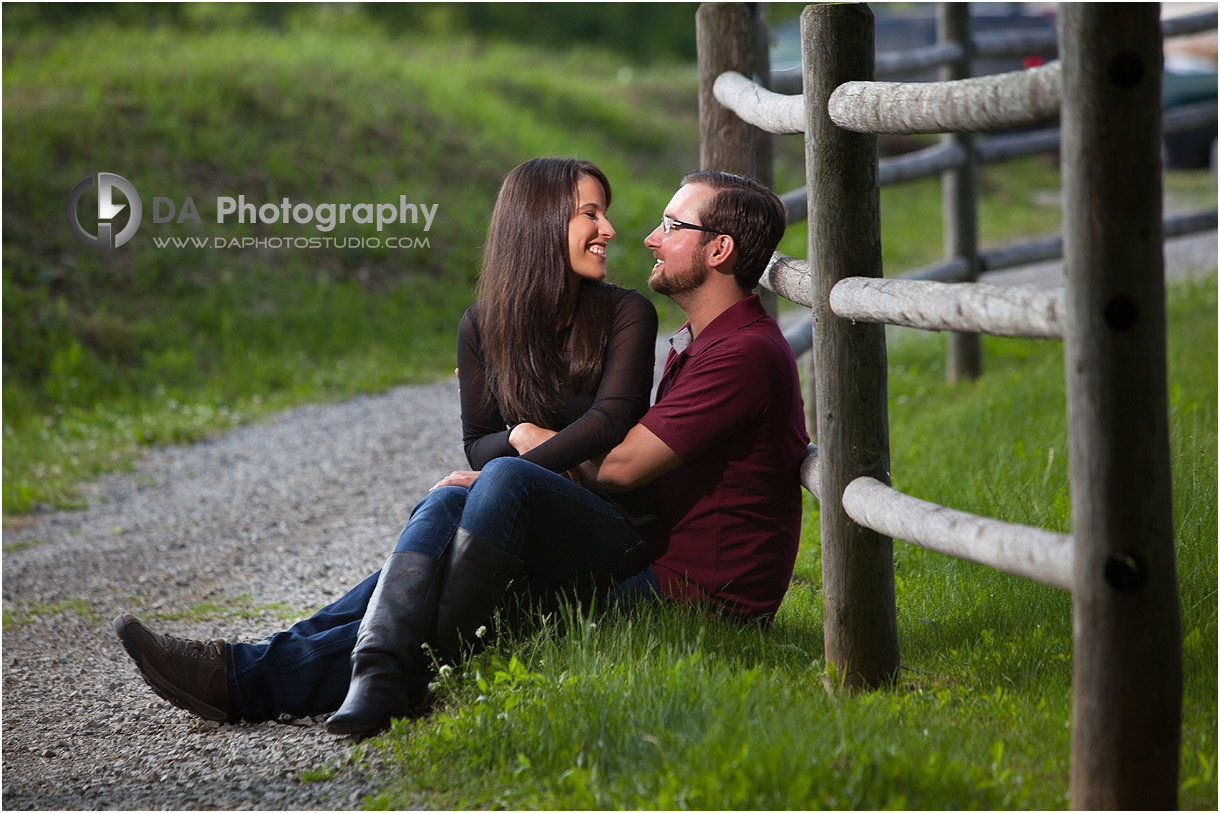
(107, 350)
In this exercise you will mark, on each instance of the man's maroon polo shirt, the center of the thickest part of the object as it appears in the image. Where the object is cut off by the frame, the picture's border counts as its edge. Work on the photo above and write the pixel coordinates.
(730, 406)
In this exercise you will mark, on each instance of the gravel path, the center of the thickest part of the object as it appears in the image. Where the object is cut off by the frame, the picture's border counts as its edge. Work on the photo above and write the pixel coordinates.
(240, 535)
(271, 520)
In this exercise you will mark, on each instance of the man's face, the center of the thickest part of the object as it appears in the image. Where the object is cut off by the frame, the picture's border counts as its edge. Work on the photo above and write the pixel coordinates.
(681, 264)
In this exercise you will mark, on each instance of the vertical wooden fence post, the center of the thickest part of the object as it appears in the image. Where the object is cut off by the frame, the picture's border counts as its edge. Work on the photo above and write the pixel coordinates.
(733, 37)
(1127, 655)
(860, 625)
(724, 39)
(959, 201)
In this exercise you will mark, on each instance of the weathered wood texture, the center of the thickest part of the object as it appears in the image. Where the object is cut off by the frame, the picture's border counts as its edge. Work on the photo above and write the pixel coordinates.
(1023, 311)
(921, 164)
(967, 105)
(1127, 658)
(1050, 248)
(724, 42)
(790, 277)
(895, 63)
(763, 108)
(800, 337)
(1018, 549)
(959, 191)
(732, 39)
(810, 470)
(934, 160)
(860, 619)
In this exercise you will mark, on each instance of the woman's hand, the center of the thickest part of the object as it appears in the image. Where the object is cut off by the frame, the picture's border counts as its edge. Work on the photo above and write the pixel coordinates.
(526, 436)
(465, 479)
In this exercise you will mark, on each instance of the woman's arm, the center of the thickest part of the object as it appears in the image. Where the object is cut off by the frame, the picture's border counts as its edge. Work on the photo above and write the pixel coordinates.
(622, 396)
(621, 399)
(484, 431)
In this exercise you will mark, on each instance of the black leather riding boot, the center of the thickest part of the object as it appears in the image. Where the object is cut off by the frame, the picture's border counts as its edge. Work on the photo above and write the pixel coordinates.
(390, 672)
(476, 578)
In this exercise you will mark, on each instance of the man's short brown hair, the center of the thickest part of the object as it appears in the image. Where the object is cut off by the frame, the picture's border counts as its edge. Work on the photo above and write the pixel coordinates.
(747, 211)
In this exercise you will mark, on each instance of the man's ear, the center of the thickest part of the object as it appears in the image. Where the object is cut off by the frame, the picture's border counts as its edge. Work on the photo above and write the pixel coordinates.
(721, 254)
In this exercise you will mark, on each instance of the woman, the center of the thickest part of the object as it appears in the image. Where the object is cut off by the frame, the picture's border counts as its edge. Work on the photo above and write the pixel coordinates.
(555, 366)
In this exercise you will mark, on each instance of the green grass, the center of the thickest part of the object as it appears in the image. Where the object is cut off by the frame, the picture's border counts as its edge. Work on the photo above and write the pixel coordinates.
(24, 612)
(236, 607)
(666, 709)
(106, 352)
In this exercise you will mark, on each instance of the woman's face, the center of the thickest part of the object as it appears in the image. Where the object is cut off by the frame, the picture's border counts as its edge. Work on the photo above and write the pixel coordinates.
(589, 231)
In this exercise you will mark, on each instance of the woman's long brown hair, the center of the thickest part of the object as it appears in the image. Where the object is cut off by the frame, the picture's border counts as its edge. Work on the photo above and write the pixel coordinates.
(524, 297)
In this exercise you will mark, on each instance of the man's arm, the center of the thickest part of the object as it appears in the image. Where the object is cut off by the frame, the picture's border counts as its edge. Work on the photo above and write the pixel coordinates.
(641, 458)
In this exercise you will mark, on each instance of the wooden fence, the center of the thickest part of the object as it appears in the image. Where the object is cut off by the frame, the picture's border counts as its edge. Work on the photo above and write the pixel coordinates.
(956, 159)
(1119, 561)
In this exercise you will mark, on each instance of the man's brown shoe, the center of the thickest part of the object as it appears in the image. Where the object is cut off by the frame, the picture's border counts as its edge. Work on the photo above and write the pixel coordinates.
(189, 674)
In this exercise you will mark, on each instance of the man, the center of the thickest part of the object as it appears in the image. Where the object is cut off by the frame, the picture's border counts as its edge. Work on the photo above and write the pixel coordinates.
(723, 444)
(724, 441)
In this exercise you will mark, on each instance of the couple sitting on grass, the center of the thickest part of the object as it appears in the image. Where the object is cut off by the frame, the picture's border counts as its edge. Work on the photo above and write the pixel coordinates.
(576, 484)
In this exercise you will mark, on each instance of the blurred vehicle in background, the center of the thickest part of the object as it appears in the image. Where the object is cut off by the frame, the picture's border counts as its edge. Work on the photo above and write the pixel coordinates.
(1189, 78)
(906, 26)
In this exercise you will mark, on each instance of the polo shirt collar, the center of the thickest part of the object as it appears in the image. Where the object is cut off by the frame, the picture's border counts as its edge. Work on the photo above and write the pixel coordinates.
(738, 315)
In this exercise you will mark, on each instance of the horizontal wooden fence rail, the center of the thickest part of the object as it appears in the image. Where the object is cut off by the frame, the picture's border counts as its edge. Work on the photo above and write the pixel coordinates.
(998, 310)
(810, 470)
(1189, 24)
(897, 63)
(1051, 248)
(800, 336)
(765, 109)
(894, 63)
(893, 170)
(790, 277)
(999, 148)
(936, 159)
(975, 105)
(923, 163)
(1017, 549)
(986, 45)
(1020, 311)
(965, 105)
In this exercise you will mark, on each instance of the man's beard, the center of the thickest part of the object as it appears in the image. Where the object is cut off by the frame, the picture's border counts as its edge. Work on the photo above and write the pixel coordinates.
(681, 282)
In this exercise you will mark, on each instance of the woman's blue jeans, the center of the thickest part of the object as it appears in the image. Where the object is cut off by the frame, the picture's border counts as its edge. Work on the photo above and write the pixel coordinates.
(563, 532)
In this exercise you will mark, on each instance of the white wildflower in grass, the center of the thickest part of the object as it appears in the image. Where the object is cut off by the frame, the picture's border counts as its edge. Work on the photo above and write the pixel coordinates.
(445, 671)
(481, 631)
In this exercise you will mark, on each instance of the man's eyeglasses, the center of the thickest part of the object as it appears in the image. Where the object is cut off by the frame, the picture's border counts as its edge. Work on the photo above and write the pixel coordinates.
(668, 224)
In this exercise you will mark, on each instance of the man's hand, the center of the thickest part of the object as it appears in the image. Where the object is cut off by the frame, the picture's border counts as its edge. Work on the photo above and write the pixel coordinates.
(465, 479)
(526, 436)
